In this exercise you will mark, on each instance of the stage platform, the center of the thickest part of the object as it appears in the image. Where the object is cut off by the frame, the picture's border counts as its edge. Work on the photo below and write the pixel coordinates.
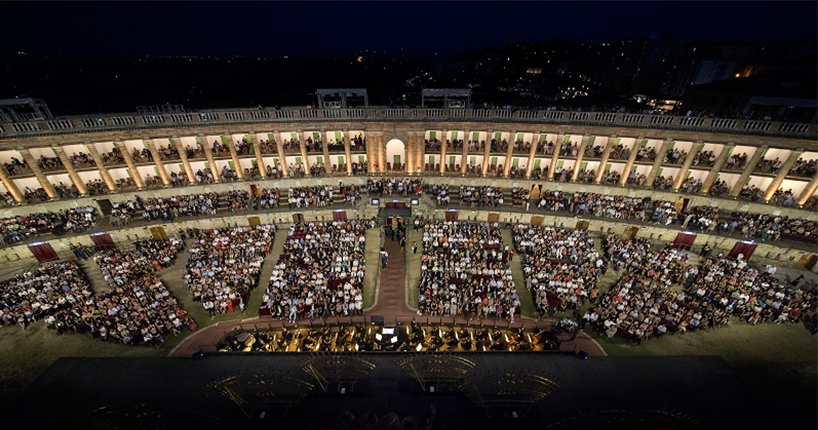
(706, 390)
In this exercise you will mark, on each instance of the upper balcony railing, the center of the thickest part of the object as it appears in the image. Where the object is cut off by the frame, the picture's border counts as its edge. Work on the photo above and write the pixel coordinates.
(133, 121)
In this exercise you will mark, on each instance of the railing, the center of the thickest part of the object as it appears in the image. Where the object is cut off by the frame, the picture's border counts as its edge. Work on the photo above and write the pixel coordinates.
(208, 116)
(60, 124)
(95, 123)
(181, 117)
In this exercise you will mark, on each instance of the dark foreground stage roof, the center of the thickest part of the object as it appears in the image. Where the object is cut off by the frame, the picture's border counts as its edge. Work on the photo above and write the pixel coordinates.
(702, 392)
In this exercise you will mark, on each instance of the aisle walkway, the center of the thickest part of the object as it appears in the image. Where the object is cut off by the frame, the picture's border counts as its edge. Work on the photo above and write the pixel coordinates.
(254, 301)
(95, 276)
(392, 293)
(518, 276)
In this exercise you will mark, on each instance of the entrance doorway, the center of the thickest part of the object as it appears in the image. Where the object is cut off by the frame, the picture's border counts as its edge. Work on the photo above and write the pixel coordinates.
(395, 155)
(158, 233)
(43, 252)
(298, 218)
(103, 241)
(339, 215)
(684, 240)
(105, 206)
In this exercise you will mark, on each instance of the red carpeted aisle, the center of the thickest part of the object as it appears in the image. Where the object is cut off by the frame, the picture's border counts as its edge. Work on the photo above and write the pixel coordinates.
(392, 290)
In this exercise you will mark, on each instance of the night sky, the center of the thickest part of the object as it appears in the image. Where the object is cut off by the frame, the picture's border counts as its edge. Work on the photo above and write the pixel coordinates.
(318, 29)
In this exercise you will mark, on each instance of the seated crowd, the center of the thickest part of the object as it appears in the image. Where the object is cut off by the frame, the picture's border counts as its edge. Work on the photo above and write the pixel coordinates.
(19, 228)
(465, 271)
(772, 228)
(123, 212)
(484, 196)
(441, 193)
(320, 272)
(723, 287)
(390, 186)
(644, 304)
(42, 292)
(237, 200)
(643, 299)
(190, 205)
(139, 309)
(224, 265)
(618, 207)
(561, 266)
(305, 197)
(266, 198)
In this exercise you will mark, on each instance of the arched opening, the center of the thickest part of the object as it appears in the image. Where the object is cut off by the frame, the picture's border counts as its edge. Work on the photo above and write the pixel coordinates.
(395, 156)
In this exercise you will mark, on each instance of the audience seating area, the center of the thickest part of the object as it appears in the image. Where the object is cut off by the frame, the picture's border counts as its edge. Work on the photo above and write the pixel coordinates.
(75, 220)
(224, 265)
(320, 272)
(465, 271)
(561, 266)
(646, 301)
(137, 310)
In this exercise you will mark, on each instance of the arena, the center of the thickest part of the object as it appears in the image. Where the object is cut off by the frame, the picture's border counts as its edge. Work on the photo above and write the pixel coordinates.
(351, 257)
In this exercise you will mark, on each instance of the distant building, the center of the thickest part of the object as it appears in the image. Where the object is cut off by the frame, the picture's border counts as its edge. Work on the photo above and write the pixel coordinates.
(759, 97)
(700, 65)
(24, 109)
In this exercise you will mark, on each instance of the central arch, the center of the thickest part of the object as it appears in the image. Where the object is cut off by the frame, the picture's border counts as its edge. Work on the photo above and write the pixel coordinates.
(395, 155)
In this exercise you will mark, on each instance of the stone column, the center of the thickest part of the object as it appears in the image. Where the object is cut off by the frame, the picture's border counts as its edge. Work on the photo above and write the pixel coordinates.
(555, 157)
(409, 157)
(208, 150)
(348, 151)
(303, 145)
(714, 171)
(370, 154)
(604, 161)
(137, 178)
(748, 170)
(779, 178)
(191, 176)
(11, 187)
(654, 171)
(677, 183)
(464, 155)
(809, 190)
(420, 151)
(35, 168)
(259, 158)
(282, 159)
(509, 154)
(75, 178)
(381, 152)
(411, 153)
(487, 152)
(580, 154)
(443, 161)
(227, 139)
(103, 171)
(325, 151)
(532, 154)
(163, 174)
(637, 145)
